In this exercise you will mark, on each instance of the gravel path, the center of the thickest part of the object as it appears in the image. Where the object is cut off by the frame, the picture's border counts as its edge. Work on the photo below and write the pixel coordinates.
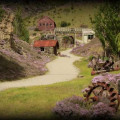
(60, 69)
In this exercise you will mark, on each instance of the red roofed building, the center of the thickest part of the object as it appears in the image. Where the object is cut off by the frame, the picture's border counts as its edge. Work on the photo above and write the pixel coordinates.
(46, 24)
(46, 45)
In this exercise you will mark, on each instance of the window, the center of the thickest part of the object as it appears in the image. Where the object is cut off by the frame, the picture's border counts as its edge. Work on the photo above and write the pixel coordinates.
(42, 48)
(40, 24)
(90, 37)
(47, 24)
(43, 23)
(50, 24)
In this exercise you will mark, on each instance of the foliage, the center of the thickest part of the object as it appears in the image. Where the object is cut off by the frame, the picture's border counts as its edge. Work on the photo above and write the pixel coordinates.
(75, 108)
(107, 26)
(2, 12)
(67, 39)
(117, 40)
(102, 111)
(64, 24)
(112, 78)
(19, 26)
(90, 57)
(36, 29)
(34, 34)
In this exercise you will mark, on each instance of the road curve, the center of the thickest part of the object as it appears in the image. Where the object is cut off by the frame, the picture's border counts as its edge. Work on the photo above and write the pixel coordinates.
(60, 70)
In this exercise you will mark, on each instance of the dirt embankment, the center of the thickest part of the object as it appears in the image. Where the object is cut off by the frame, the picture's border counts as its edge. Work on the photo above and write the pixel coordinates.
(20, 61)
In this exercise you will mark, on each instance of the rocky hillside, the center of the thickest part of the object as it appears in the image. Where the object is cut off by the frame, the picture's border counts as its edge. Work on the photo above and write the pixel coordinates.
(17, 58)
(93, 48)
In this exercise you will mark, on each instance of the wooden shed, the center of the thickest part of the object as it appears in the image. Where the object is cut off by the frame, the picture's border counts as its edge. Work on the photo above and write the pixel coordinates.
(46, 45)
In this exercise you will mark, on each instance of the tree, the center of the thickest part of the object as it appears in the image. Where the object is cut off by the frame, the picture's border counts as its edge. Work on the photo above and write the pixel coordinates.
(2, 12)
(107, 26)
(19, 26)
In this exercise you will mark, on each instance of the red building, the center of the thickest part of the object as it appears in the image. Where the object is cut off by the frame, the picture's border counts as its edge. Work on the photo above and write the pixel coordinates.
(46, 24)
(46, 45)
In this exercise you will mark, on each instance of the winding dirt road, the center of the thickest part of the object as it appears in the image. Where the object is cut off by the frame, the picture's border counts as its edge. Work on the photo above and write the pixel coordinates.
(60, 69)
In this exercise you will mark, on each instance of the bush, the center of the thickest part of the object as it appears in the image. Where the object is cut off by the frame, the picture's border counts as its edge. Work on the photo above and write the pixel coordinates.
(102, 111)
(2, 13)
(36, 29)
(75, 108)
(65, 24)
(34, 34)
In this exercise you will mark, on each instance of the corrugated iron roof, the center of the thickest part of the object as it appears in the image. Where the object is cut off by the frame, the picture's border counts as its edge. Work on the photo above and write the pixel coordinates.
(46, 17)
(45, 43)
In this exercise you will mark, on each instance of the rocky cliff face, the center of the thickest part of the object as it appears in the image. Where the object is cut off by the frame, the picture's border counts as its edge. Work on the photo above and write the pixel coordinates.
(18, 59)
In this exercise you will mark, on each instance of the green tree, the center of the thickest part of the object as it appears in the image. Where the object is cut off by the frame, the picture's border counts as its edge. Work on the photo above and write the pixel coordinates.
(2, 12)
(19, 26)
(107, 26)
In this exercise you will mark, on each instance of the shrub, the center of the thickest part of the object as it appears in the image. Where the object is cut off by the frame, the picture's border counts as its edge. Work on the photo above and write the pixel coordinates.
(90, 57)
(112, 78)
(65, 24)
(102, 111)
(75, 108)
(36, 29)
(34, 34)
(71, 108)
(2, 12)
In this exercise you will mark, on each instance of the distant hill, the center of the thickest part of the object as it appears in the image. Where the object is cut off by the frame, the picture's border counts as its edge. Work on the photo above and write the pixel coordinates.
(75, 12)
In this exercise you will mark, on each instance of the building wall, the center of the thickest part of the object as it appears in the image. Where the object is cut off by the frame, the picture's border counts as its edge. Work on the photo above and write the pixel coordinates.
(46, 24)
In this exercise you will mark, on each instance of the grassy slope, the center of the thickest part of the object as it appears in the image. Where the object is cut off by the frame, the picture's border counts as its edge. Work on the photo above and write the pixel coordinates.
(37, 102)
(77, 16)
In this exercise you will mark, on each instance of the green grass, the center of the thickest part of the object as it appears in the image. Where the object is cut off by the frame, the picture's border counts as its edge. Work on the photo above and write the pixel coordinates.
(38, 102)
(77, 16)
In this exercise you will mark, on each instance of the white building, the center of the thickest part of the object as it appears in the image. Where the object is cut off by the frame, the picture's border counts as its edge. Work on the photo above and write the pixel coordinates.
(87, 35)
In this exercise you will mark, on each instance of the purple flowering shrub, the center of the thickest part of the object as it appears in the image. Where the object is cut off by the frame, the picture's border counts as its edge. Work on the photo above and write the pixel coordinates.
(28, 62)
(72, 108)
(102, 111)
(75, 108)
(109, 78)
(86, 50)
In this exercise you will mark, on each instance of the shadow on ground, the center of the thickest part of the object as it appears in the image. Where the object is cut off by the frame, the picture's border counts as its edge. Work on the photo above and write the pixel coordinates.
(10, 70)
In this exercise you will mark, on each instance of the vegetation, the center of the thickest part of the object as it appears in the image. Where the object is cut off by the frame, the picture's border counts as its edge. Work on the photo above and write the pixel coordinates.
(107, 27)
(64, 24)
(67, 40)
(77, 16)
(76, 108)
(2, 12)
(19, 26)
(37, 102)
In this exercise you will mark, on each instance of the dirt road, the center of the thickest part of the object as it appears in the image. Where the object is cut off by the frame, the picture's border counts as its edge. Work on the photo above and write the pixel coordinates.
(61, 69)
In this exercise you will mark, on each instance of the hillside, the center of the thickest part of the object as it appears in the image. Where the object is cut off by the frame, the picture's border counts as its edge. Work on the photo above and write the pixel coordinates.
(87, 50)
(76, 14)
(17, 58)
